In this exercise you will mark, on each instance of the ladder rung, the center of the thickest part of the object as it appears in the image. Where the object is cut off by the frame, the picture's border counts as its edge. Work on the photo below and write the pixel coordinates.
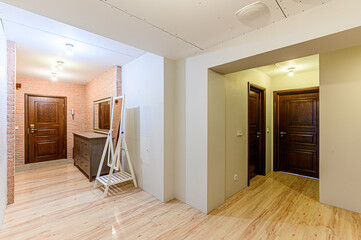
(118, 177)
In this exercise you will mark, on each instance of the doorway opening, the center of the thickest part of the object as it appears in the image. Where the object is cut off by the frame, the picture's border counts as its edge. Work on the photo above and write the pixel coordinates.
(296, 131)
(256, 131)
(45, 128)
(249, 127)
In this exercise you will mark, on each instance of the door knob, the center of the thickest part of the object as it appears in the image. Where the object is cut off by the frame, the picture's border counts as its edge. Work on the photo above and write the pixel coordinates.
(283, 133)
(258, 134)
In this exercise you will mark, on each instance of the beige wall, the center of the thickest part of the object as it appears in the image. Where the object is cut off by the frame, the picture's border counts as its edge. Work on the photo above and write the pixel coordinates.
(299, 80)
(216, 140)
(180, 131)
(236, 86)
(340, 151)
(169, 130)
(236, 119)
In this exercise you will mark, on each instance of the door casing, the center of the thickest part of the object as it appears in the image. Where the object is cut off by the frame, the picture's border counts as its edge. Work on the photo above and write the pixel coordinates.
(26, 123)
(262, 92)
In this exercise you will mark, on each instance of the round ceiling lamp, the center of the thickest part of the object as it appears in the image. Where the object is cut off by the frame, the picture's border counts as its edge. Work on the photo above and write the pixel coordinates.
(254, 15)
(69, 49)
(60, 65)
(53, 77)
(291, 71)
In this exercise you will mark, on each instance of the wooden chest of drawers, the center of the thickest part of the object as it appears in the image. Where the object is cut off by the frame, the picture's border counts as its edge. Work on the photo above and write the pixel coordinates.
(88, 150)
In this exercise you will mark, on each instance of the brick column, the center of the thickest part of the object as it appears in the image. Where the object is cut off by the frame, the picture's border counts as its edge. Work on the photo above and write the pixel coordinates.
(11, 118)
(119, 81)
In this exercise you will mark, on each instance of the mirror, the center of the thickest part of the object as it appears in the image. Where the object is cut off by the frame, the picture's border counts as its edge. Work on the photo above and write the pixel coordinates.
(102, 115)
(117, 114)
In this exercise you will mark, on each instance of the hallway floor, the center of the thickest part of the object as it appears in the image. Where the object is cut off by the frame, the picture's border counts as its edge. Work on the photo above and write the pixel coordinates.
(60, 203)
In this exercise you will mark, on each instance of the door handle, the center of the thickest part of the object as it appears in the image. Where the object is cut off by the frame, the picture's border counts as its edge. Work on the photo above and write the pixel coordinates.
(258, 134)
(283, 133)
(32, 128)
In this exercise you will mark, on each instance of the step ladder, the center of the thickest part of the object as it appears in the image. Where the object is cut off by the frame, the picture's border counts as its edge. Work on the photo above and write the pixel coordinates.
(116, 173)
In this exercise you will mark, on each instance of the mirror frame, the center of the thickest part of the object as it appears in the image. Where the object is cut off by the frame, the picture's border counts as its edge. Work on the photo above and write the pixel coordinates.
(98, 130)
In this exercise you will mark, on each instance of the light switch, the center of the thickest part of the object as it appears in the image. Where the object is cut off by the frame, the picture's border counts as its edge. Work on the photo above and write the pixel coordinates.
(267, 130)
(239, 133)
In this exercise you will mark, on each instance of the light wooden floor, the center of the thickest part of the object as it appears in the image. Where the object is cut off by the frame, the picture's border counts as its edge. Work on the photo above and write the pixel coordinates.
(60, 203)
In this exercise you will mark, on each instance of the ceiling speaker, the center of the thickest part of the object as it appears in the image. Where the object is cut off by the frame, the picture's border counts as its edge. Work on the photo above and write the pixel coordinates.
(254, 15)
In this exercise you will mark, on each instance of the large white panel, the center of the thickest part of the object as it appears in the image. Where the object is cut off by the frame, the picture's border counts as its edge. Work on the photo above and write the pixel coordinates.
(143, 87)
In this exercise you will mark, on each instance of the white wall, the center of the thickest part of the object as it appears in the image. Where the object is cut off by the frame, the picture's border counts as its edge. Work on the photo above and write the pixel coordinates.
(340, 133)
(149, 88)
(180, 131)
(335, 16)
(143, 87)
(3, 124)
(237, 119)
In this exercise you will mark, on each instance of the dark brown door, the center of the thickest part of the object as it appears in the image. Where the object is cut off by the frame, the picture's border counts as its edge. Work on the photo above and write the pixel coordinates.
(104, 115)
(256, 126)
(45, 128)
(298, 132)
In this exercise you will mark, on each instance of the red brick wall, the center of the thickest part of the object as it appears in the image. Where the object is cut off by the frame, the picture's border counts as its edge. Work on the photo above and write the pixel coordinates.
(11, 118)
(106, 85)
(75, 100)
(79, 97)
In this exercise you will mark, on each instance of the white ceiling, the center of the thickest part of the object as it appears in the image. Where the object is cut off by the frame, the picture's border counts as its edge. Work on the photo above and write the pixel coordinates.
(305, 64)
(172, 29)
(41, 43)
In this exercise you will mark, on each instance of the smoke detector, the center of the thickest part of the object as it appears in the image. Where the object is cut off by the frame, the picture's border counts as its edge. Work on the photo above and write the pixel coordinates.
(254, 15)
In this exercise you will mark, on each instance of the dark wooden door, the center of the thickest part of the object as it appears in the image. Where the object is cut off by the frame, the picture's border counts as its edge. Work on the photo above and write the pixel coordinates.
(298, 133)
(256, 138)
(104, 115)
(45, 128)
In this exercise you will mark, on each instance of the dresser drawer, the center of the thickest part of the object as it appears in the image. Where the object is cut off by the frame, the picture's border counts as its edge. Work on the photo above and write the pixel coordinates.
(82, 163)
(88, 150)
(82, 147)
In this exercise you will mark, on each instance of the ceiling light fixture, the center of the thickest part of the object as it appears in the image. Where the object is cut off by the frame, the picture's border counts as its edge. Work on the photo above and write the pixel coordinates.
(60, 65)
(69, 49)
(254, 15)
(291, 71)
(53, 77)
